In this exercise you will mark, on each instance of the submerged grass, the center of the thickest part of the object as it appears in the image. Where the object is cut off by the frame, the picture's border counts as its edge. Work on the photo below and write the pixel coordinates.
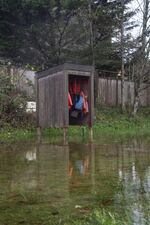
(36, 208)
(101, 217)
(24, 210)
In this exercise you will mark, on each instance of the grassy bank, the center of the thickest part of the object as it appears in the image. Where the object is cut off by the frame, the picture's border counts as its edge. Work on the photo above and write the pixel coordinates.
(109, 121)
(13, 134)
(113, 122)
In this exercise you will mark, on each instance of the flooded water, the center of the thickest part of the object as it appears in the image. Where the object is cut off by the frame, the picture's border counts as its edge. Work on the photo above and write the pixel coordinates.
(40, 180)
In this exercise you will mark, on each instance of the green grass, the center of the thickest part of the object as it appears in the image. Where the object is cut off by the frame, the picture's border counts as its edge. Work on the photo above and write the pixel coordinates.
(108, 122)
(13, 134)
(113, 122)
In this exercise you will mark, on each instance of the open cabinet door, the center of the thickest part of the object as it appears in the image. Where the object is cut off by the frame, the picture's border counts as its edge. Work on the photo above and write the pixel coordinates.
(53, 101)
(80, 88)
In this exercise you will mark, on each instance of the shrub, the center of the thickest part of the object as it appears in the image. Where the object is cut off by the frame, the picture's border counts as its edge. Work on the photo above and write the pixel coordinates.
(12, 102)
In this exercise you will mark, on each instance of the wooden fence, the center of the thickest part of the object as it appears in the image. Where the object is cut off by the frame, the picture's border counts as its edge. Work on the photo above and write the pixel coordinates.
(109, 93)
(109, 89)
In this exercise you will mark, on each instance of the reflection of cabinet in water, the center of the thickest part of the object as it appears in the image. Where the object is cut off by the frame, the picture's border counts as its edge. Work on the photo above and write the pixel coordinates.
(53, 170)
(82, 166)
(53, 87)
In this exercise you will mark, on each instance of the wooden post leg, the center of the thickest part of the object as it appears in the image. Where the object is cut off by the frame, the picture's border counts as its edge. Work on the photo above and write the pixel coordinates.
(91, 134)
(92, 148)
(39, 131)
(39, 134)
(65, 136)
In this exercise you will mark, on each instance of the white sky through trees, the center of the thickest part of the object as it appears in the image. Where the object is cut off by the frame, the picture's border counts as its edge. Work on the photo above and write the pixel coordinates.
(137, 6)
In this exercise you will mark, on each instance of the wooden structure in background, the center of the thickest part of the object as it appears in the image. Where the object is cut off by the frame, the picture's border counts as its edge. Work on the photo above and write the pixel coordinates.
(52, 88)
(109, 93)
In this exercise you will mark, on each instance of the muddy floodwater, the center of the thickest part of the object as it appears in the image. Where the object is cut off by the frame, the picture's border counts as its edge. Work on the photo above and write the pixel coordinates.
(43, 182)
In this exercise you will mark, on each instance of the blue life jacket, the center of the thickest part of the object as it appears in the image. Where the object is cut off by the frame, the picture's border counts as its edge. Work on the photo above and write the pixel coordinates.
(79, 104)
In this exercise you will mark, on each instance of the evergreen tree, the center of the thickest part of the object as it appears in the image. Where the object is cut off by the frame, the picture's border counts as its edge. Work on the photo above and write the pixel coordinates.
(44, 33)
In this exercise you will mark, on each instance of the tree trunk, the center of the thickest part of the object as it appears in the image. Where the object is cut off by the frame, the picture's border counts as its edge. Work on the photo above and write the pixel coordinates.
(92, 40)
(122, 89)
(122, 60)
(136, 105)
(141, 64)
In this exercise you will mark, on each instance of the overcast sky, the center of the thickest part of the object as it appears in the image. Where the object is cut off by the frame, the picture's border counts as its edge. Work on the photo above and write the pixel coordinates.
(137, 5)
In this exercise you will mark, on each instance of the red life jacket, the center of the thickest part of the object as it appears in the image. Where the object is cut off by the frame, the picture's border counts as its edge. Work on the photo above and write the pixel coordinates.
(76, 87)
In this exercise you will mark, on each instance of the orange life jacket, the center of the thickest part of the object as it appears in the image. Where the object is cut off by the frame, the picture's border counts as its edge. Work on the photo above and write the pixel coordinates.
(69, 101)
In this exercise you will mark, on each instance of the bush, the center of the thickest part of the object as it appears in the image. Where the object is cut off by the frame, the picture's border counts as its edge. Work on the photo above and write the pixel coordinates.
(12, 102)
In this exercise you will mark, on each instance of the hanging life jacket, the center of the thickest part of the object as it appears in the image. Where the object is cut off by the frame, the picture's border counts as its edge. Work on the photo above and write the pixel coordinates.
(76, 87)
(79, 104)
(69, 101)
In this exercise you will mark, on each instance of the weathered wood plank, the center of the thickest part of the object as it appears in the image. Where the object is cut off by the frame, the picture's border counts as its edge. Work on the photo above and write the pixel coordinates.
(41, 102)
(66, 67)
